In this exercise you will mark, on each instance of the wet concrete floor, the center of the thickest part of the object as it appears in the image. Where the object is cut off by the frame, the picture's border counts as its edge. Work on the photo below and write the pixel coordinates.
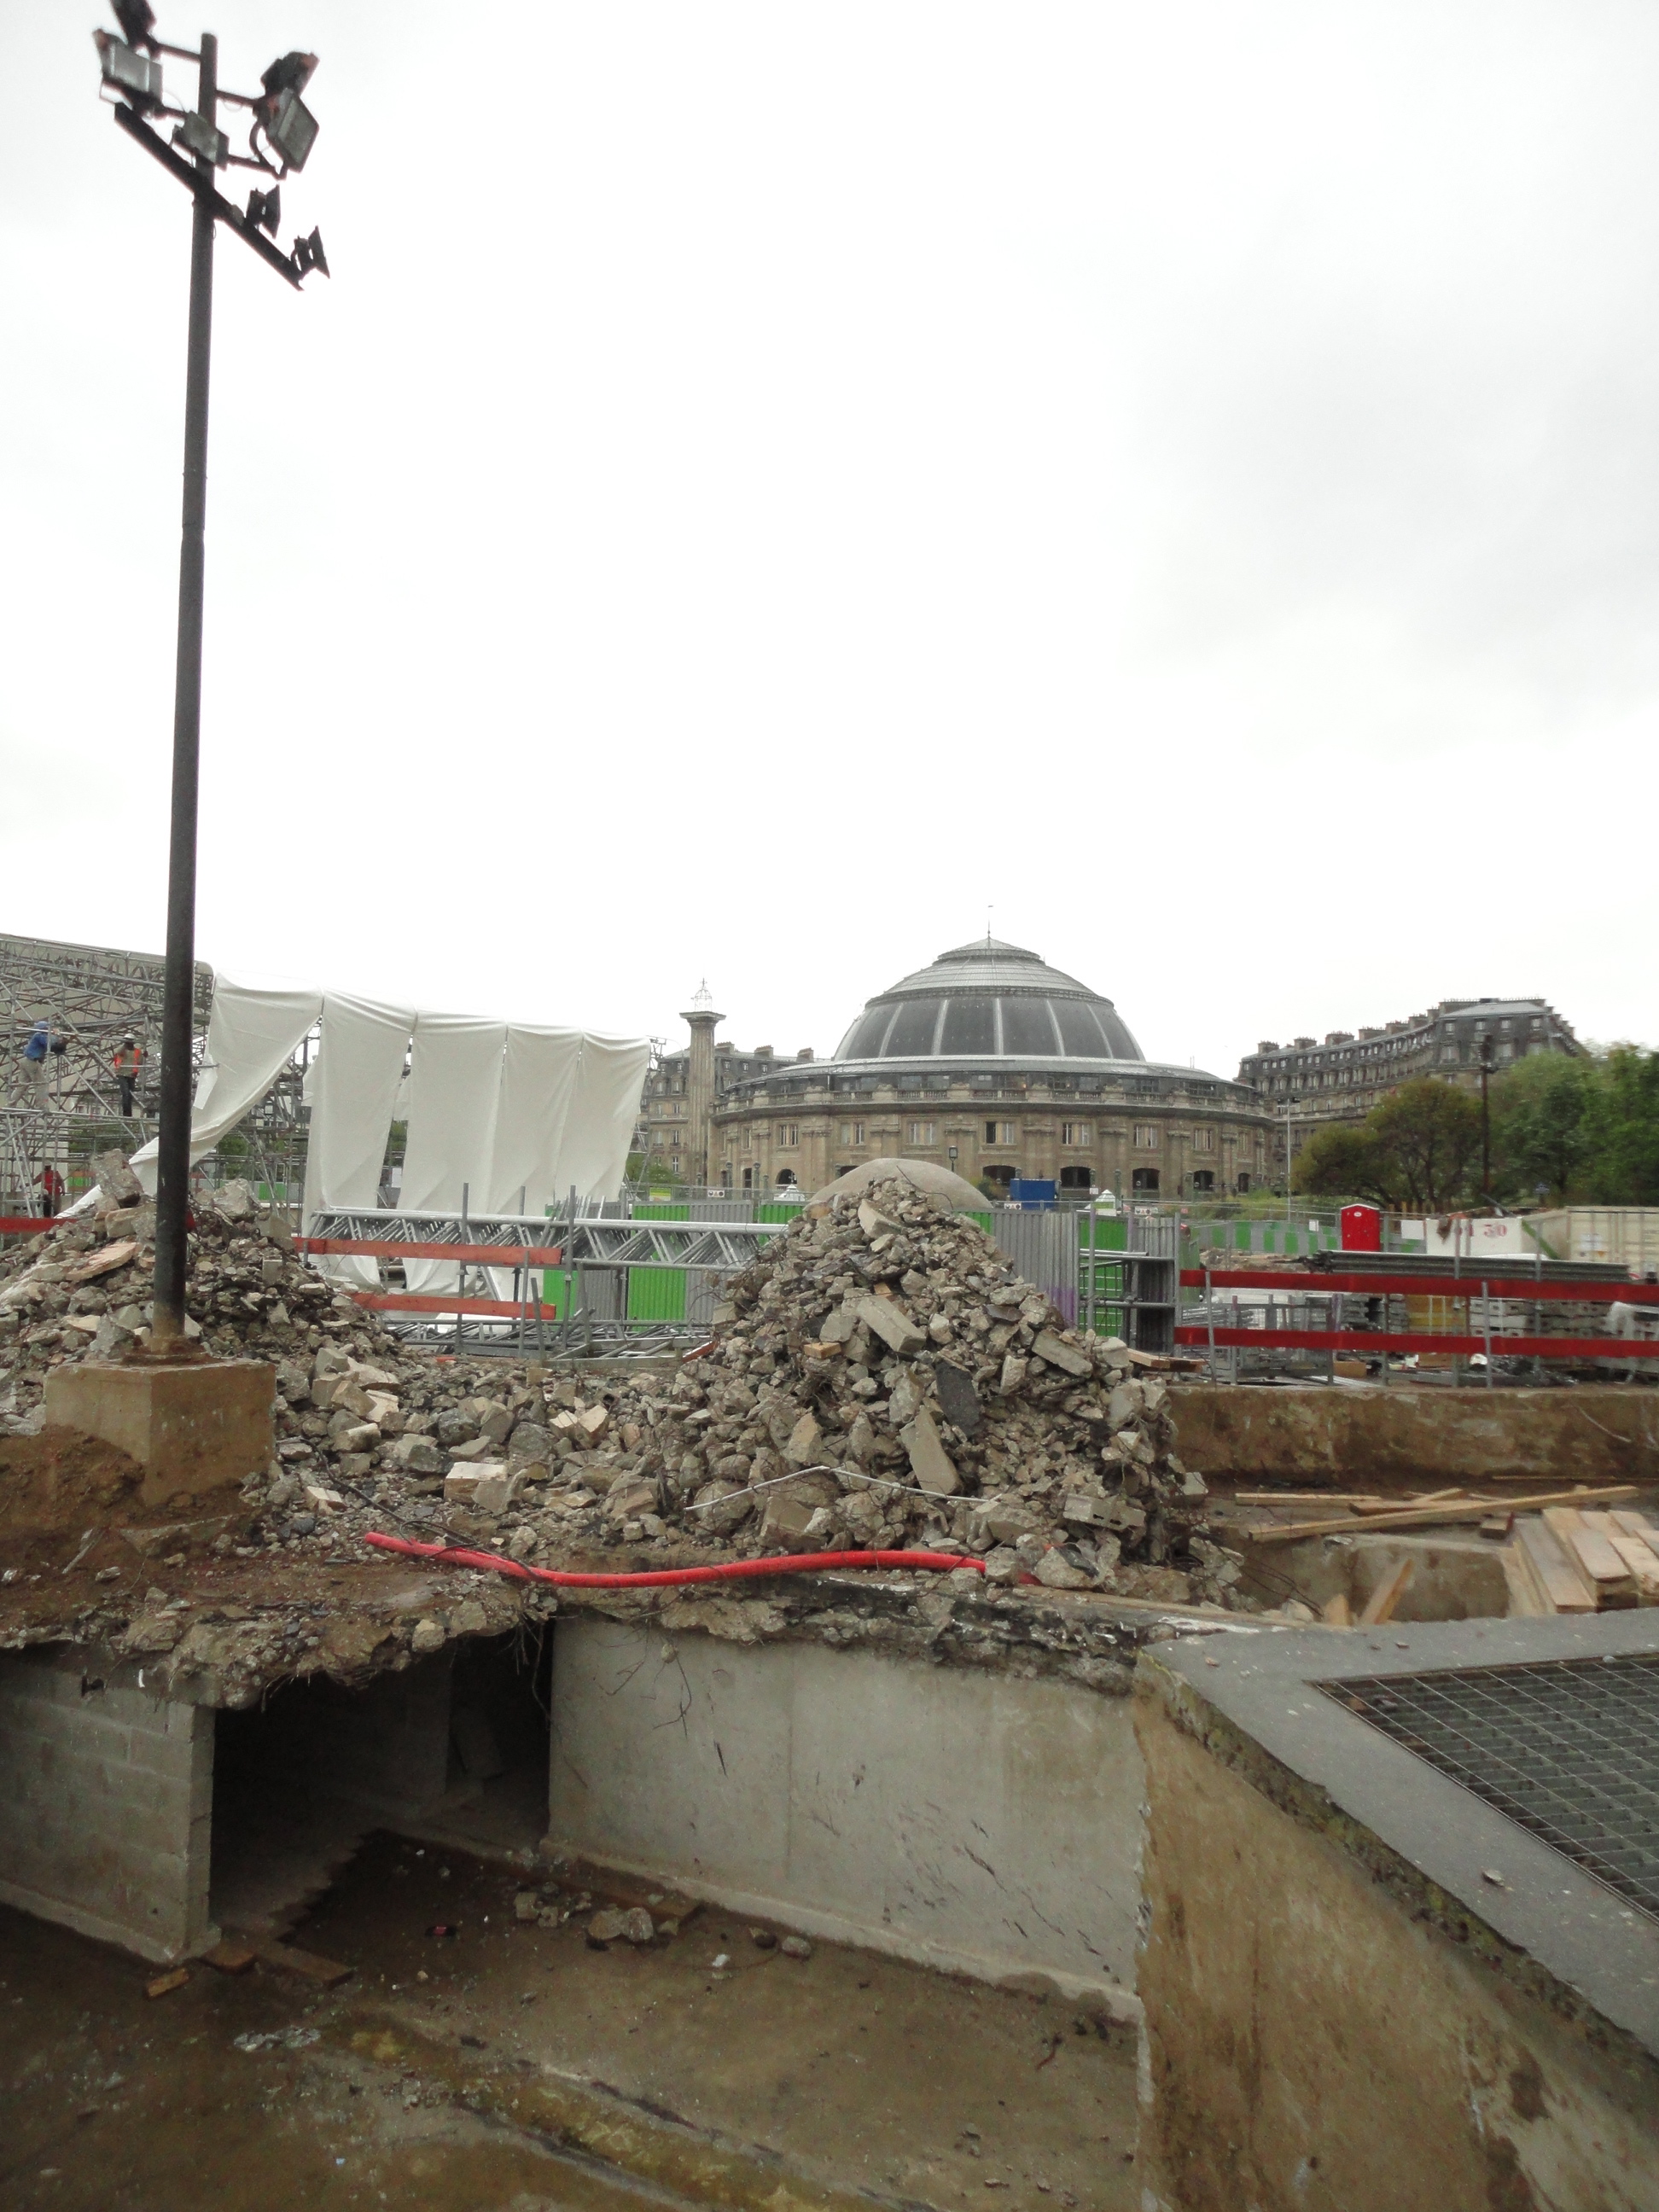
(449, 2071)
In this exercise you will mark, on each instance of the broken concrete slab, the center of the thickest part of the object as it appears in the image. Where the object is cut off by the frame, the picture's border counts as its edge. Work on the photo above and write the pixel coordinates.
(932, 1465)
(888, 1321)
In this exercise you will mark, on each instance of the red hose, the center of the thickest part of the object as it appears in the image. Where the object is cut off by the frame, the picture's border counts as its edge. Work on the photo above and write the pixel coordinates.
(448, 1555)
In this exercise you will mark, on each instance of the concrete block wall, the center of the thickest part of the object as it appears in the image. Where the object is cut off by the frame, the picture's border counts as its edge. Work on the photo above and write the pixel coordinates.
(971, 1820)
(105, 1808)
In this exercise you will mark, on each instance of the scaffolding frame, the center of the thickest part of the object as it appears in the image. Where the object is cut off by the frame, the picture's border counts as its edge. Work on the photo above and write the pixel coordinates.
(92, 996)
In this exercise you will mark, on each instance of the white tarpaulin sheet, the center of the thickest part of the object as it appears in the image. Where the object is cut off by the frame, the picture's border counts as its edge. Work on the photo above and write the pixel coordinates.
(454, 1091)
(538, 1080)
(594, 1157)
(253, 1034)
(353, 1087)
(513, 1113)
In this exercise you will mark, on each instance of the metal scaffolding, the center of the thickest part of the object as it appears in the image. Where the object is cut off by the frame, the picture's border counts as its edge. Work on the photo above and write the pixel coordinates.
(92, 996)
(598, 1254)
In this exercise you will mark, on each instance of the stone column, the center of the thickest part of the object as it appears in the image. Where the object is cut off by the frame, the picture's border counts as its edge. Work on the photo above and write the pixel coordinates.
(702, 1021)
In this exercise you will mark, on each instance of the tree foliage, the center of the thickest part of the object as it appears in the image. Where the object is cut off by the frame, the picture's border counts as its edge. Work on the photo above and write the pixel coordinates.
(1342, 1162)
(1415, 1152)
(1541, 1125)
(1564, 1130)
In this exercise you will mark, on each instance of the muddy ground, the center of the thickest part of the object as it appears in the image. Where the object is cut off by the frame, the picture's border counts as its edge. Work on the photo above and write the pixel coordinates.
(504, 2067)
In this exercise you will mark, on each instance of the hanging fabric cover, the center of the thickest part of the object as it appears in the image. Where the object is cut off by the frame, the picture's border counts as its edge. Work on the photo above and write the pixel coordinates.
(253, 1034)
(594, 1157)
(353, 1087)
(455, 1090)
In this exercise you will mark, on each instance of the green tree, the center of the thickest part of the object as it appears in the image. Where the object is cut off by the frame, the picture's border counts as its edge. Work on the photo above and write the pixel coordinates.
(1543, 1124)
(1343, 1161)
(1622, 1167)
(1416, 1151)
(1431, 1133)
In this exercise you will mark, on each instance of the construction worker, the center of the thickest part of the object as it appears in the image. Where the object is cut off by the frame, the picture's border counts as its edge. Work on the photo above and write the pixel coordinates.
(51, 1191)
(128, 1061)
(34, 1059)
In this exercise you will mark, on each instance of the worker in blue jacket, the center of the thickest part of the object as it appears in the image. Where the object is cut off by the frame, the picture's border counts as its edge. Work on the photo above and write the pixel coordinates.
(34, 1057)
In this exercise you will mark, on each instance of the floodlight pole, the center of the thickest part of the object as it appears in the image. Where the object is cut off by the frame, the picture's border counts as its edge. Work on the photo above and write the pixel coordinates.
(178, 1006)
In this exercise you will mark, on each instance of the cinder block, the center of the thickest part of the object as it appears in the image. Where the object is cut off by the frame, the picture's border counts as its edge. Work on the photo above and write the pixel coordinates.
(199, 1426)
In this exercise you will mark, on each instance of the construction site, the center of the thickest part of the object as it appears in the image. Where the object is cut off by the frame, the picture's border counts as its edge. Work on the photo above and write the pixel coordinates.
(982, 1616)
(872, 1697)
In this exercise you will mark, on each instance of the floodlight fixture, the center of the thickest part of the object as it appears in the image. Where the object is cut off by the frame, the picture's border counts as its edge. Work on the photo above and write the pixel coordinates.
(138, 21)
(199, 137)
(128, 75)
(289, 127)
(308, 254)
(265, 209)
(293, 73)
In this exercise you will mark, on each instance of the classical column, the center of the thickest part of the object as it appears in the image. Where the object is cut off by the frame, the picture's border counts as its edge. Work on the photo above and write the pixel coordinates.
(702, 1021)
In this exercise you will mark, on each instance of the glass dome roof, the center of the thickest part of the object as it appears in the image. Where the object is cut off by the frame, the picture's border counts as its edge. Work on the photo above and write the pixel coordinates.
(989, 1001)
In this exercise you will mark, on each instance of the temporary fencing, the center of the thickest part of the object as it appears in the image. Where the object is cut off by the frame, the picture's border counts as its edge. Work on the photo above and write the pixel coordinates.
(1537, 1290)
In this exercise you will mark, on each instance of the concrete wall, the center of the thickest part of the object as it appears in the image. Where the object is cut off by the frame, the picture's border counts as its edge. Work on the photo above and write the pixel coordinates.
(1312, 2046)
(105, 1808)
(971, 1821)
(1590, 1433)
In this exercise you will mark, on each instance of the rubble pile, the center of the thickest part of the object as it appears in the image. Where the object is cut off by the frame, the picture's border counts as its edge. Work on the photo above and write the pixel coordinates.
(879, 1378)
(354, 1406)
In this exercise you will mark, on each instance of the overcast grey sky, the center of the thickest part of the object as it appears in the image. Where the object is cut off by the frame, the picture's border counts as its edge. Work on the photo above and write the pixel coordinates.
(766, 483)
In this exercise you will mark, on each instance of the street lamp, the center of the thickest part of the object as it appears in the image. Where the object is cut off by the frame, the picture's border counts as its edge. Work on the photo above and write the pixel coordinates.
(1293, 1099)
(1486, 1118)
(131, 74)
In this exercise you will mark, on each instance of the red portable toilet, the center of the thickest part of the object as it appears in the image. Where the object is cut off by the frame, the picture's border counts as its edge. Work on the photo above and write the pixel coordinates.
(1362, 1229)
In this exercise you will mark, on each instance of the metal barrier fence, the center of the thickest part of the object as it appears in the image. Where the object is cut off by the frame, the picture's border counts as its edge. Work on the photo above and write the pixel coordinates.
(1495, 1301)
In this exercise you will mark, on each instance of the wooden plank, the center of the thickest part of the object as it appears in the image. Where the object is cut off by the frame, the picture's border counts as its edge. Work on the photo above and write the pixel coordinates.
(1529, 1599)
(1380, 1605)
(1595, 1556)
(229, 1958)
(1431, 1516)
(1315, 1498)
(1564, 1587)
(1457, 1496)
(1638, 1525)
(293, 1961)
(1643, 1564)
(1337, 1611)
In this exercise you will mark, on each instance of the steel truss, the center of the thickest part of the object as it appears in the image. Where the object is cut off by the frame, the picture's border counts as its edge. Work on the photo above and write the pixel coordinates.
(716, 1247)
(590, 1247)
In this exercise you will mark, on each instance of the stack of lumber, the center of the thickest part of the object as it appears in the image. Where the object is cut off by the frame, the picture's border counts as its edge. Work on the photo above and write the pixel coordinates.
(1569, 1559)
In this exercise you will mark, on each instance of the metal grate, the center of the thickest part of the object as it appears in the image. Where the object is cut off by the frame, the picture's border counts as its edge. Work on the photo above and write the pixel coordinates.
(1569, 1749)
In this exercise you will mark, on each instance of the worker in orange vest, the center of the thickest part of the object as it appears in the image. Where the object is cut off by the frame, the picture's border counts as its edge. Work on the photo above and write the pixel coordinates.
(128, 1061)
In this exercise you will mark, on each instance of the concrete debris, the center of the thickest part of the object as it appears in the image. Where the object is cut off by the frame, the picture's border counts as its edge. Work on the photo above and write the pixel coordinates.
(883, 1379)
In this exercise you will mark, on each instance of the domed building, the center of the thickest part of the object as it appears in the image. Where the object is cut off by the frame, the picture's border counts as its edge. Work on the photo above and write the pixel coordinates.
(996, 1064)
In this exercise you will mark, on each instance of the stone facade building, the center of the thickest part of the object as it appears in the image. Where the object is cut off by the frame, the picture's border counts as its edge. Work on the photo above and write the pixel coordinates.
(989, 1062)
(1343, 1078)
